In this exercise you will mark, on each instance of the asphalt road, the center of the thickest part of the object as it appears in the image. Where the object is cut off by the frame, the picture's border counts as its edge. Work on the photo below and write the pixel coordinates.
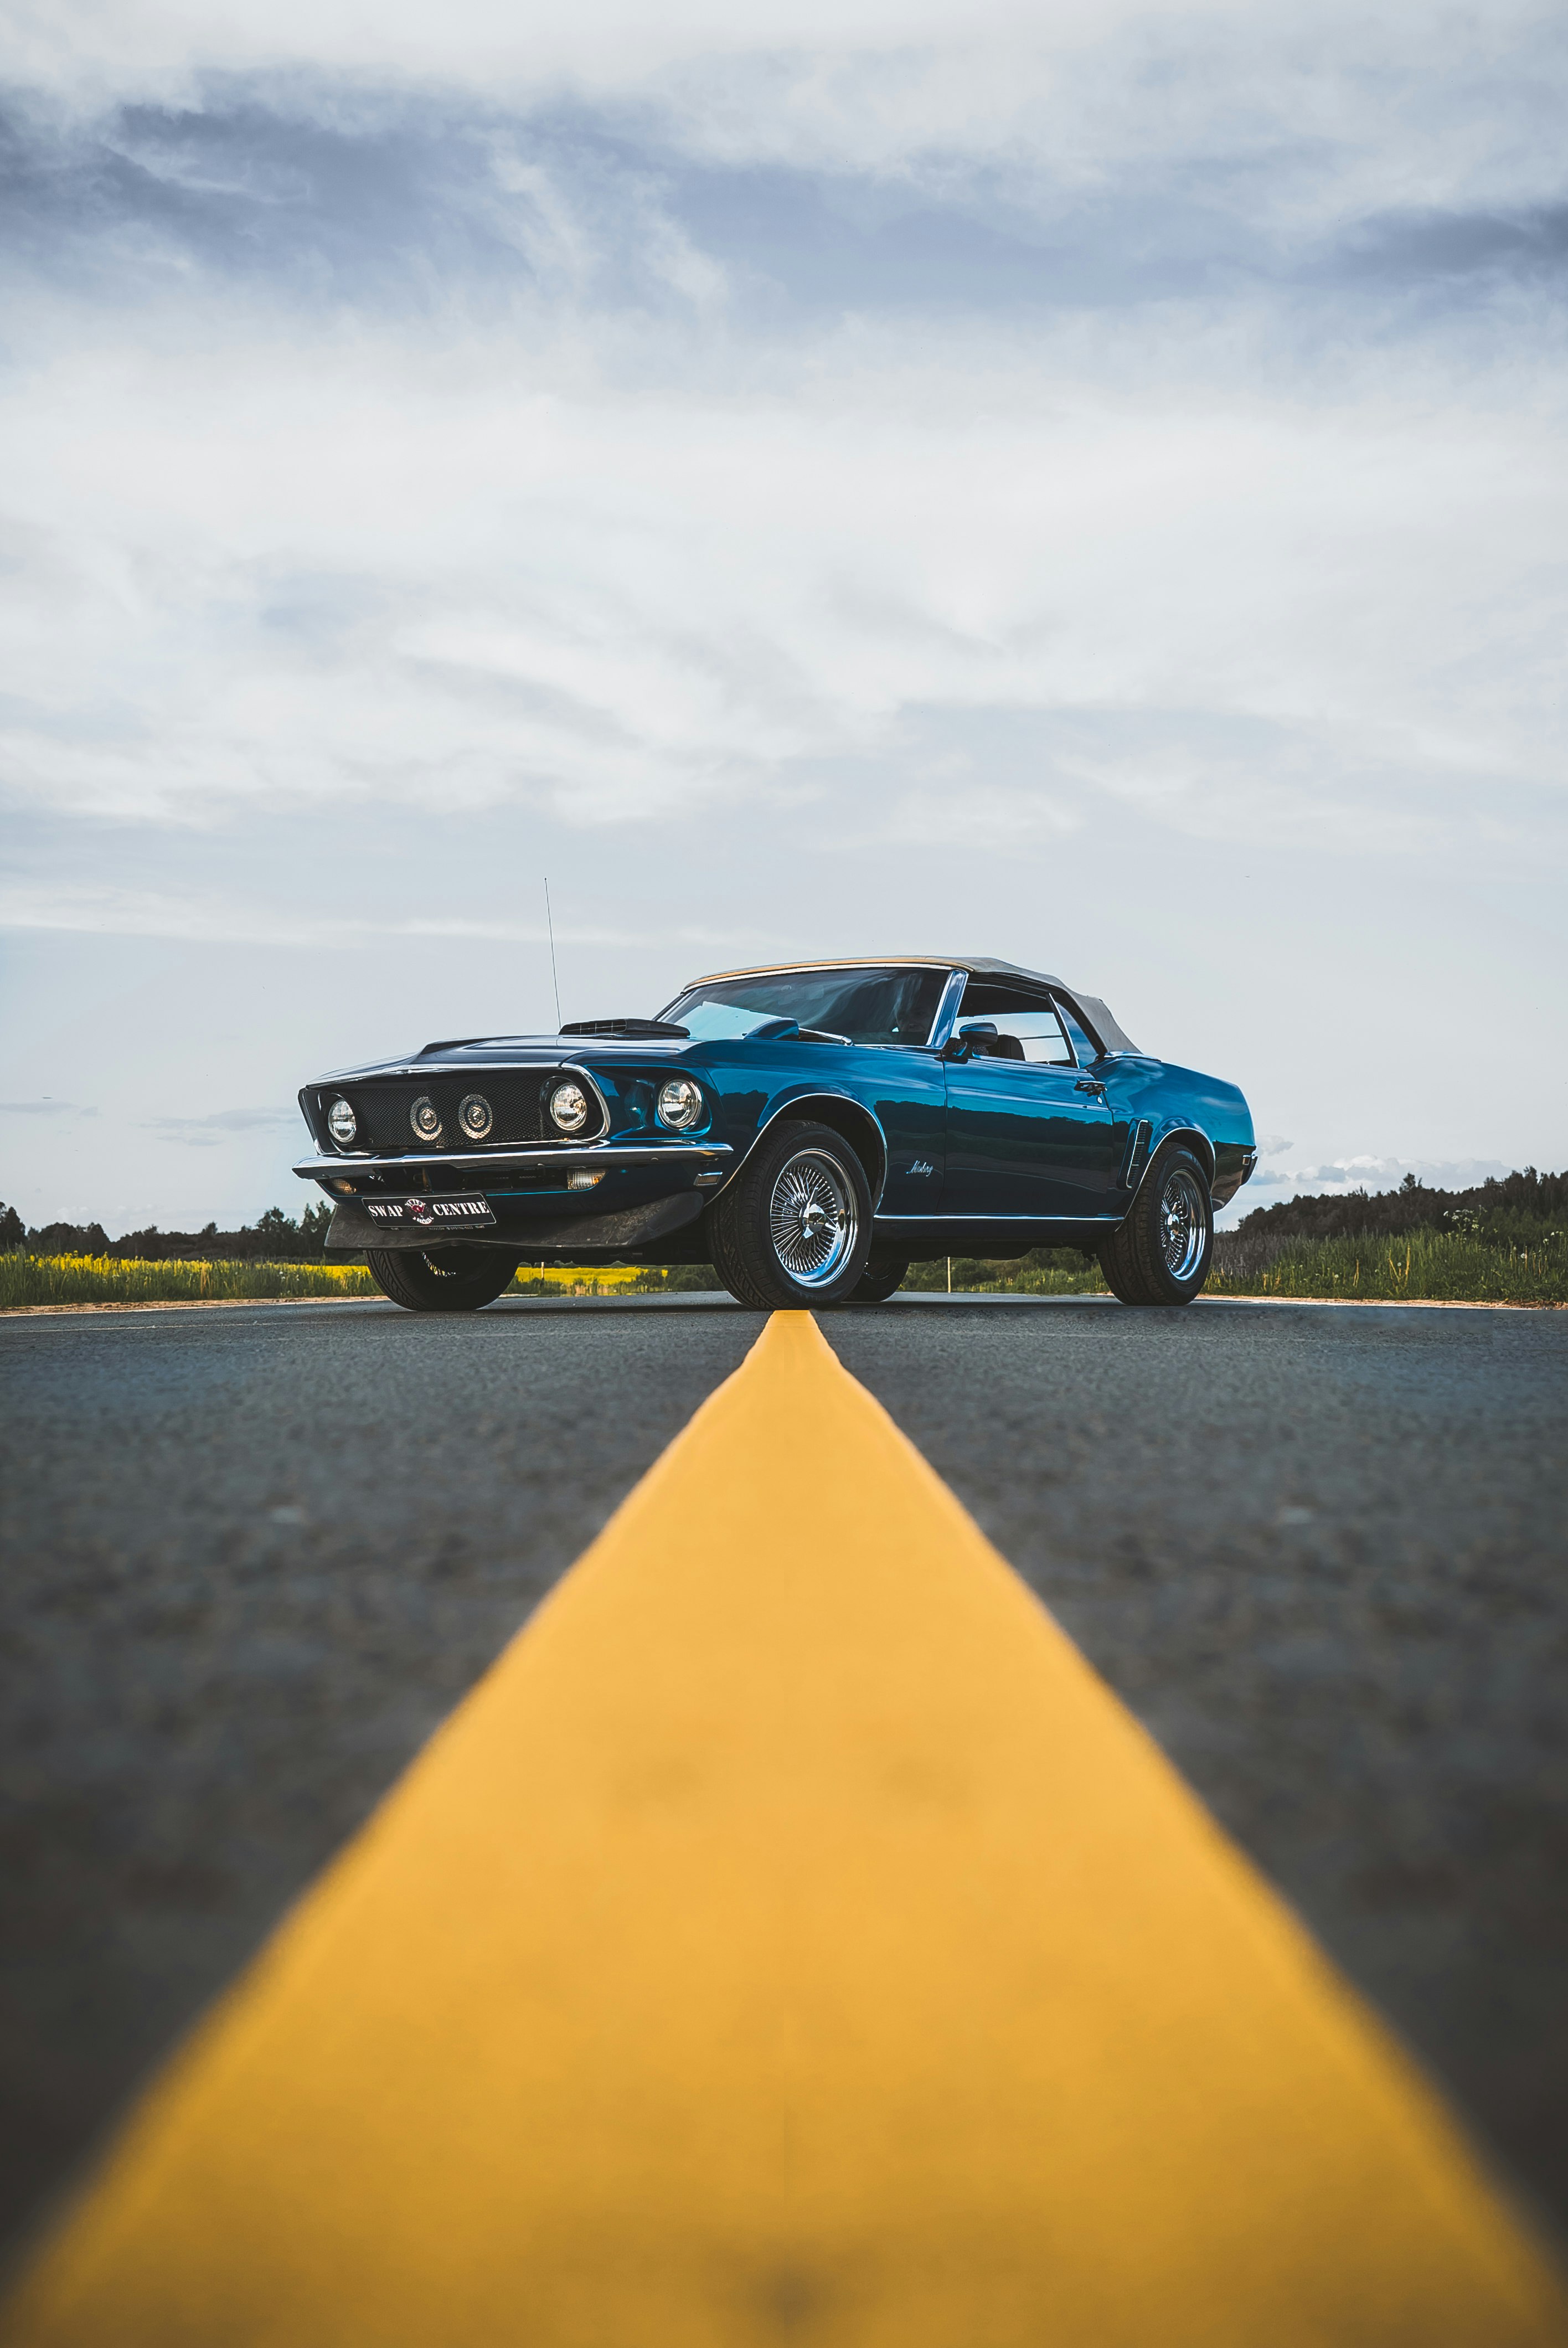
(250, 1556)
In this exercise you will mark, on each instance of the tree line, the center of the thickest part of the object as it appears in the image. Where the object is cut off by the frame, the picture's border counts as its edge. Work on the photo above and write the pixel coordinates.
(273, 1238)
(1513, 1207)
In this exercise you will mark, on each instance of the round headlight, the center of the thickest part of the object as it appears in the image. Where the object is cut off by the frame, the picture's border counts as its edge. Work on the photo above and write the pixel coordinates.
(425, 1118)
(475, 1117)
(342, 1123)
(569, 1108)
(680, 1103)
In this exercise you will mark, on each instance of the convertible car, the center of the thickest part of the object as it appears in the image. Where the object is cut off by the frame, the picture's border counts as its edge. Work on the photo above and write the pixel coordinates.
(811, 1130)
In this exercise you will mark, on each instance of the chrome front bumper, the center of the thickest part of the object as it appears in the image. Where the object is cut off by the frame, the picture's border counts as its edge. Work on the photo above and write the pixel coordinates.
(605, 1154)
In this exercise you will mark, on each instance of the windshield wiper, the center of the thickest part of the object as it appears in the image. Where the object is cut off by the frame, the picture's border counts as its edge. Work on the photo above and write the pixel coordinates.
(779, 1031)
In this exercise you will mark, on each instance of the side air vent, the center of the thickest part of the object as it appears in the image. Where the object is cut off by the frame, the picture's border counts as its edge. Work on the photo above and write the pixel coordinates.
(1137, 1155)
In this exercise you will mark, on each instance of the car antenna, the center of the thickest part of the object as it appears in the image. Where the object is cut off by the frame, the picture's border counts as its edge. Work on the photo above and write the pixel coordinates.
(550, 926)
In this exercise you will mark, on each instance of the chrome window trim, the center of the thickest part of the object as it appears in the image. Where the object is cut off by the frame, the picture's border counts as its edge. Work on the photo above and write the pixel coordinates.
(1031, 1067)
(948, 1009)
(1071, 1013)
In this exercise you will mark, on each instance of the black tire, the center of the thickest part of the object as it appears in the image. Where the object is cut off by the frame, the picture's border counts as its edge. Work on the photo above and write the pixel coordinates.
(765, 1239)
(1160, 1254)
(881, 1276)
(447, 1279)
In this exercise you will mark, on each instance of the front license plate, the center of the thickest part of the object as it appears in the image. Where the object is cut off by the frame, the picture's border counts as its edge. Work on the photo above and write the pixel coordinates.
(431, 1214)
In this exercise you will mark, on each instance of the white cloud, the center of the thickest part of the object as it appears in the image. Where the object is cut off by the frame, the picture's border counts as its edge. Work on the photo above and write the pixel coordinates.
(220, 1124)
(1401, 104)
(1341, 1177)
(370, 573)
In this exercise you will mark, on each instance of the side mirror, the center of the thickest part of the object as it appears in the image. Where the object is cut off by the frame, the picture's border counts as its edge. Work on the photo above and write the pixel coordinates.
(964, 1041)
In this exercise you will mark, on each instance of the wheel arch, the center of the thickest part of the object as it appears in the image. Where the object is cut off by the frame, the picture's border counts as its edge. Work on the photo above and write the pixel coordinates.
(1196, 1139)
(851, 1118)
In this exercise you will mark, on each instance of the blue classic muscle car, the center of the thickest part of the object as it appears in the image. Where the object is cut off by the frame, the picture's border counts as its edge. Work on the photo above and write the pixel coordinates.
(811, 1130)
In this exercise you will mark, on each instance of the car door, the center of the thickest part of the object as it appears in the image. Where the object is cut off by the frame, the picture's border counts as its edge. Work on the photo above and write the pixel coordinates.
(1030, 1132)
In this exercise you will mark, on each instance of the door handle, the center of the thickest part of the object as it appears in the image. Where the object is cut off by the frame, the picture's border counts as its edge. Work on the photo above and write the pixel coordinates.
(1089, 1085)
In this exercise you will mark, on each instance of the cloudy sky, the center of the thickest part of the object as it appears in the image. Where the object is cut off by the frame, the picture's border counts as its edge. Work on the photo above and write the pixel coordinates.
(1086, 483)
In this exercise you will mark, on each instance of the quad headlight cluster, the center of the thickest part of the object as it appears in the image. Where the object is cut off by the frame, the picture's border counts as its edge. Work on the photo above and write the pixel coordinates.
(571, 1107)
(679, 1104)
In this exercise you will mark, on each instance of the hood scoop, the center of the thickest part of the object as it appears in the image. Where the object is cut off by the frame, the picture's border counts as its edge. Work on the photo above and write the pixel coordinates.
(623, 1028)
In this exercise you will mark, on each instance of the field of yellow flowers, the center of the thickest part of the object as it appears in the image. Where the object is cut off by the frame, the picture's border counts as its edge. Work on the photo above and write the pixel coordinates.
(35, 1279)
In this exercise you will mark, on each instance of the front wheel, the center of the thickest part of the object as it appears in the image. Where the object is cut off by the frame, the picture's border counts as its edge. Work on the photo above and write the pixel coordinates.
(794, 1229)
(447, 1279)
(1160, 1254)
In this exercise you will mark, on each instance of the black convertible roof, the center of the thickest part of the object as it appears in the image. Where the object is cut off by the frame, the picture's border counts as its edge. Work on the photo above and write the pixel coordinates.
(1096, 1014)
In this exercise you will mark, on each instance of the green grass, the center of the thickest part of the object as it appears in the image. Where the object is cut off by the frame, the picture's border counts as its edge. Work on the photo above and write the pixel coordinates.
(104, 1280)
(1434, 1267)
(1430, 1267)
(1049, 1271)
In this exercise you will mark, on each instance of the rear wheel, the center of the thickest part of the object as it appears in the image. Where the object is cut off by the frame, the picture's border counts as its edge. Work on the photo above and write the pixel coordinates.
(794, 1229)
(1160, 1254)
(446, 1280)
(881, 1276)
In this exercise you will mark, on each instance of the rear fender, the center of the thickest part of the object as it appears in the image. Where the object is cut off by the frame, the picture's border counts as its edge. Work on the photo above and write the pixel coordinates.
(1194, 1138)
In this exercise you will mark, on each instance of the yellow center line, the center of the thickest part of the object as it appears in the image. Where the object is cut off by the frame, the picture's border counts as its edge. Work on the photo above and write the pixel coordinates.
(790, 1939)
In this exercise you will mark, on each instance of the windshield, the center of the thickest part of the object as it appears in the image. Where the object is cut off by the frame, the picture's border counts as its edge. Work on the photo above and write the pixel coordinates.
(868, 1006)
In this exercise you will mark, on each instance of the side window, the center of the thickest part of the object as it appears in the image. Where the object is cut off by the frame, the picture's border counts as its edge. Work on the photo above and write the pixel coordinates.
(1040, 1033)
(1026, 1028)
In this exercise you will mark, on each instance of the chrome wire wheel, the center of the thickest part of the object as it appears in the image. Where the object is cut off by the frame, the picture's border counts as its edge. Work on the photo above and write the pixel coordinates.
(813, 1221)
(1183, 1228)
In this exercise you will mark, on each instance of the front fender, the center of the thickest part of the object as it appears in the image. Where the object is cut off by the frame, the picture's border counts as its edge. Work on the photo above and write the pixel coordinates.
(860, 1127)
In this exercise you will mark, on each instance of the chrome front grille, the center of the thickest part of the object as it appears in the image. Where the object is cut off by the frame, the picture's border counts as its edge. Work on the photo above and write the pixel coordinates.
(518, 1103)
